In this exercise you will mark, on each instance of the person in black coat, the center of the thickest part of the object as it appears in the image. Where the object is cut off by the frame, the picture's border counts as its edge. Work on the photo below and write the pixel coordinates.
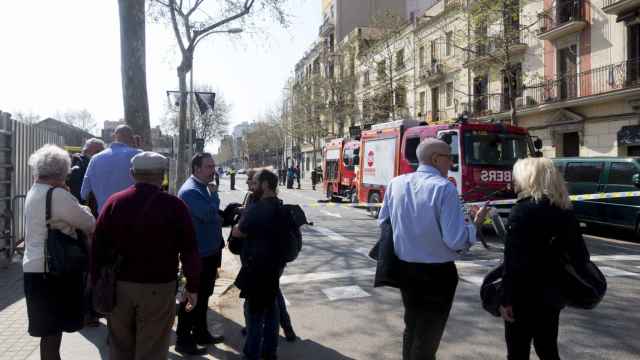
(541, 226)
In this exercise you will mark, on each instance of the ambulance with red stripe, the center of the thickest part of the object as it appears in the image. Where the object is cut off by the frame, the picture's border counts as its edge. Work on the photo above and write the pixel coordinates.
(483, 155)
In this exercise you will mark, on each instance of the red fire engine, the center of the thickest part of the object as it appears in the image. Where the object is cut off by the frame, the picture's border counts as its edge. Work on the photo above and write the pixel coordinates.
(341, 158)
(483, 157)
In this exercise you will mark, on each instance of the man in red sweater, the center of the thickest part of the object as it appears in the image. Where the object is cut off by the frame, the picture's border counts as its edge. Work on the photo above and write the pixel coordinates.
(148, 230)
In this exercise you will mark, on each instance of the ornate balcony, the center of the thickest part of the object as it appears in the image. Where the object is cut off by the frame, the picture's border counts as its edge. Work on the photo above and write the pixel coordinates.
(618, 7)
(433, 73)
(566, 18)
(605, 80)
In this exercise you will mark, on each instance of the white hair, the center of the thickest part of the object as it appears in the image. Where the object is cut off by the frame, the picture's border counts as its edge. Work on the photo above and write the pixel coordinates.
(50, 162)
(538, 178)
(93, 141)
(428, 147)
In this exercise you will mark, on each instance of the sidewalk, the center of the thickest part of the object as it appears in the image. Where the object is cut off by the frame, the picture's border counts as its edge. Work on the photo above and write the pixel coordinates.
(89, 343)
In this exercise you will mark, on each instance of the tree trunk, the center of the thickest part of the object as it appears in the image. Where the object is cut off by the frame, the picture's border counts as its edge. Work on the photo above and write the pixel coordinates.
(133, 68)
(182, 128)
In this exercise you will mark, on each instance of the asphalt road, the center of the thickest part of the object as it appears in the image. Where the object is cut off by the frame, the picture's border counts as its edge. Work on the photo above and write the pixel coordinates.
(339, 315)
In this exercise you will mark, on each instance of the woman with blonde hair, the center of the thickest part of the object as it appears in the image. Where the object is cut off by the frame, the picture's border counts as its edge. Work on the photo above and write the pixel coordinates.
(541, 225)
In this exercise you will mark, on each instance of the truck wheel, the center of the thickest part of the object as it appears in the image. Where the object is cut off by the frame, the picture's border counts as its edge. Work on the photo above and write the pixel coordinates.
(374, 210)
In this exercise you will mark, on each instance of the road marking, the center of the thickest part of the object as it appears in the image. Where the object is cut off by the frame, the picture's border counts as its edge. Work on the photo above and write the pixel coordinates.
(345, 292)
(332, 235)
(613, 272)
(473, 279)
(615, 257)
(331, 214)
(327, 275)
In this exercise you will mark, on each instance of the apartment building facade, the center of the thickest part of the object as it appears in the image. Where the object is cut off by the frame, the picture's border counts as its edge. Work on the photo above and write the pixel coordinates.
(569, 70)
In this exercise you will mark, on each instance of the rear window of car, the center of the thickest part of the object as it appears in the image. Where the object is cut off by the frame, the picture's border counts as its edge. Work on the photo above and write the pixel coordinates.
(621, 173)
(583, 172)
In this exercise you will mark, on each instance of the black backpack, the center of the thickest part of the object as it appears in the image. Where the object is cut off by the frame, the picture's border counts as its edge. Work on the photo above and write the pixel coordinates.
(292, 218)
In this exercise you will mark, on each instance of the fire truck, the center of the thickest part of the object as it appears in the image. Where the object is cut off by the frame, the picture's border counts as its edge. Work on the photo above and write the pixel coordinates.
(483, 155)
(341, 159)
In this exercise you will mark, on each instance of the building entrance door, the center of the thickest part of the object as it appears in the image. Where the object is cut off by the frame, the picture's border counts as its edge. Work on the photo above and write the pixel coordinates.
(570, 144)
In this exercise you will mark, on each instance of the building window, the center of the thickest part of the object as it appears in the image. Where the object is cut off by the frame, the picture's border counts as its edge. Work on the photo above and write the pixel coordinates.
(449, 93)
(449, 43)
(401, 97)
(433, 45)
(400, 59)
(365, 78)
(421, 103)
(421, 56)
(382, 69)
(435, 101)
(480, 89)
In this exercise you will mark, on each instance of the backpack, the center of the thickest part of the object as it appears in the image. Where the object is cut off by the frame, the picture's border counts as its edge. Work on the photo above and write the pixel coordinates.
(292, 218)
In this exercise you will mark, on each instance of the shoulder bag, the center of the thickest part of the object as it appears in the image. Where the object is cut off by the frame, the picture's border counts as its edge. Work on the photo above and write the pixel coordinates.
(63, 253)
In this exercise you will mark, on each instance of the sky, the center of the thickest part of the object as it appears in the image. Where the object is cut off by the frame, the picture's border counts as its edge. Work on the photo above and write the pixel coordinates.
(65, 55)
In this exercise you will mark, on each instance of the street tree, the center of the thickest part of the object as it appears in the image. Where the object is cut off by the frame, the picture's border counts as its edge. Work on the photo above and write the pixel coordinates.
(81, 119)
(27, 117)
(338, 85)
(133, 68)
(309, 104)
(211, 125)
(191, 23)
(385, 54)
(265, 143)
(494, 39)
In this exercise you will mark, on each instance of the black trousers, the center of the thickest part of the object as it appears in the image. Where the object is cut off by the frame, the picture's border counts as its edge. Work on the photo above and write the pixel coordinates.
(427, 300)
(194, 323)
(537, 323)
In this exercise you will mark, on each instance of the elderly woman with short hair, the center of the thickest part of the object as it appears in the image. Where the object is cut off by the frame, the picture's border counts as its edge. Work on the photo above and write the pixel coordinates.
(541, 224)
(54, 302)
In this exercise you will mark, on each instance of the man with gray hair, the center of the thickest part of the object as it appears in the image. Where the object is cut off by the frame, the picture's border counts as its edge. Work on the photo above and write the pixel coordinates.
(108, 171)
(429, 233)
(148, 230)
(80, 163)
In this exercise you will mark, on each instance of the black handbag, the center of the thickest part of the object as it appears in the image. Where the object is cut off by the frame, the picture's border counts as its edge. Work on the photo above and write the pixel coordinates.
(491, 290)
(63, 253)
(104, 290)
(584, 285)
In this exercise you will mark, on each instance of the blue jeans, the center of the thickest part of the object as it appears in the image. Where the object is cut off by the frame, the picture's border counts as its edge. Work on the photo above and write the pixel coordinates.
(262, 331)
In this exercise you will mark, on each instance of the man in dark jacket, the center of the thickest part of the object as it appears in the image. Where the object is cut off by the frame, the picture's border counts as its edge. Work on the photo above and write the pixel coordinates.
(262, 265)
(201, 197)
(149, 230)
(79, 164)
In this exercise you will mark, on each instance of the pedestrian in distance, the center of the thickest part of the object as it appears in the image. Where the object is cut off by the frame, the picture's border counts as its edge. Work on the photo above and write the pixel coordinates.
(109, 171)
(55, 302)
(262, 265)
(285, 319)
(80, 163)
(201, 197)
(540, 224)
(291, 173)
(298, 174)
(146, 231)
(232, 178)
(429, 233)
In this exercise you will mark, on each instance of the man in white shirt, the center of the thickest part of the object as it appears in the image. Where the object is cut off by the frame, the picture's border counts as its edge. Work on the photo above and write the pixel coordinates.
(429, 233)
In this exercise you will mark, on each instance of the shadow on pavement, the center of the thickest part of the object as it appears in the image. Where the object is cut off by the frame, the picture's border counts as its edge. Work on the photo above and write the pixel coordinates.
(98, 337)
(306, 349)
(11, 285)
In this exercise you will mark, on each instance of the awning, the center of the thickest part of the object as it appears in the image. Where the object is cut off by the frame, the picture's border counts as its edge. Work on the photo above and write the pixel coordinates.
(629, 135)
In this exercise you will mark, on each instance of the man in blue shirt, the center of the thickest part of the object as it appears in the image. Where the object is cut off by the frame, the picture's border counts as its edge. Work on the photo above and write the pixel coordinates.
(108, 171)
(202, 199)
(429, 233)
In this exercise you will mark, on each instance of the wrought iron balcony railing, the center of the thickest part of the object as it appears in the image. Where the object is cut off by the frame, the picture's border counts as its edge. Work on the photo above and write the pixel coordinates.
(603, 80)
(563, 13)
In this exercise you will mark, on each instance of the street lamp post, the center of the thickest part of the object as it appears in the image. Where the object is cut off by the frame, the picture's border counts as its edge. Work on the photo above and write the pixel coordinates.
(191, 115)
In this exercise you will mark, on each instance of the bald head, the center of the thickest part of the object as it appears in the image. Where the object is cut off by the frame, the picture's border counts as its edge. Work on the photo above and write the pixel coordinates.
(430, 147)
(124, 134)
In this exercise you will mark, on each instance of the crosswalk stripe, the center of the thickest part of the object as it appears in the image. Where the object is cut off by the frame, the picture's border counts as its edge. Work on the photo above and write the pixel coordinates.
(319, 276)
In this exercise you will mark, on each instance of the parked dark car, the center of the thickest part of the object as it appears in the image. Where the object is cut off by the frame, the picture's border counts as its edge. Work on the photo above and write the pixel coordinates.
(604, 175)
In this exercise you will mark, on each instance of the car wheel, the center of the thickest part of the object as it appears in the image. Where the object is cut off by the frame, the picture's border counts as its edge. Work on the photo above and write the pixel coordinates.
(374, 210)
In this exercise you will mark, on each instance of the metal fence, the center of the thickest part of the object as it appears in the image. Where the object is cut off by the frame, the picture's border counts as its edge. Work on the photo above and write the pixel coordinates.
(598, 81)
(562, 13)
(18, 142)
